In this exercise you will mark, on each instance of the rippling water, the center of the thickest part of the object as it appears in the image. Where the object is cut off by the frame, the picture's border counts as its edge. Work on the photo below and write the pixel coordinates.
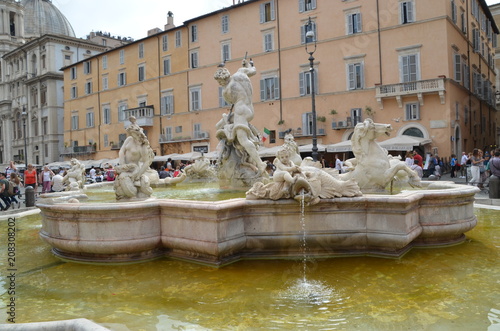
(450, 288)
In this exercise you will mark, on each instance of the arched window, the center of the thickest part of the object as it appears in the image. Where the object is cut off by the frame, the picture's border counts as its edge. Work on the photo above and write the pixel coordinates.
(414, 132)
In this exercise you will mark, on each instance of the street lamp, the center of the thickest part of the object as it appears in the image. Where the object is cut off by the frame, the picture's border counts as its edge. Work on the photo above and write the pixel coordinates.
(310, 36)
(24, 115)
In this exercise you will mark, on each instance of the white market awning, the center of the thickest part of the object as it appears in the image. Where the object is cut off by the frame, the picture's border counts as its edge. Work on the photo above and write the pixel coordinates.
(343, 146)
(404, 143)
(308, 148)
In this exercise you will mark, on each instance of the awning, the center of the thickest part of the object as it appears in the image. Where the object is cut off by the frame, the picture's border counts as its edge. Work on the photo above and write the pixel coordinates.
(308, 148)
(343, 146)
(403, 143)
(268, 152)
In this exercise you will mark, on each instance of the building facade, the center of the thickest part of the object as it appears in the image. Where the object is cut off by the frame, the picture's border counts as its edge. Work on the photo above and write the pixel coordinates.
(426, 67)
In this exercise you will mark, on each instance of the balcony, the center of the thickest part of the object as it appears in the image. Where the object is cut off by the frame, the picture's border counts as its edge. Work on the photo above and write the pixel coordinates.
(195, 136)
(417, 88)
(78, 150)
(144, 116)
(348, 123)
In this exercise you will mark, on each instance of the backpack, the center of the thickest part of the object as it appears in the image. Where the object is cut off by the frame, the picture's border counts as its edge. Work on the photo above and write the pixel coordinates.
(9, 192)
(111, 175)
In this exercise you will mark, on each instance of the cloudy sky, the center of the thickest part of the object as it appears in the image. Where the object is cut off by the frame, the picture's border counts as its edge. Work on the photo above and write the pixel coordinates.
(133, 18)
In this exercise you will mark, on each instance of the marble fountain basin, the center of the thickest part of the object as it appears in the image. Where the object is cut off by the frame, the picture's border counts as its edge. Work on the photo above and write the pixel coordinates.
(221, 232)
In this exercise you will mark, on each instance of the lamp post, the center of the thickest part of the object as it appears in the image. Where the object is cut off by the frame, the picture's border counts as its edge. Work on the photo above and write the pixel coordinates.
(310, 35)
(24, 115)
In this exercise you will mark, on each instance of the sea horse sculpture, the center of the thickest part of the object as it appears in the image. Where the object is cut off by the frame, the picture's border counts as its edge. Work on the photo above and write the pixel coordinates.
(373, 168)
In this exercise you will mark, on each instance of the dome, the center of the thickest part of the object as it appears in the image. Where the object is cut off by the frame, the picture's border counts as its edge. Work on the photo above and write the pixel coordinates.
(42, 17)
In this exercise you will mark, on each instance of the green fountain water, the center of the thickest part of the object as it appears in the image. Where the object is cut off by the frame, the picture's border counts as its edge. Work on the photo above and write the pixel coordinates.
(449, 288)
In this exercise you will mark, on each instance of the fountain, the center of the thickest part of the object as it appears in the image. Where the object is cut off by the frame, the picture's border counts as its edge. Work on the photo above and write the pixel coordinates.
(332, 218)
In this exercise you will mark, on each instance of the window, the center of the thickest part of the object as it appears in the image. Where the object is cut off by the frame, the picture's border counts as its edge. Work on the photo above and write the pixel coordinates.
(306, 5)
(122, 79)
(90, 119)
(121, 111)
(167, 104)
(166, 66)
(74, 92)
(355, 76)
(74, 122)
(305, 83)
(122, 56)
(406, 12)
(267, 12)
(105, 82)
(409, 68)
(412, 111)
(454, 11)
(466, 75)
(268, 42)
(88, 87)
(105, 62)
(106, 140)
(463, 21)
(197, 130)
(106, 115)
(226, 52)
(476, 40)
(195, 96)
(194, 59)
(222, 101)
(194, 33)
(167, 131)
(73, 72)
(224, 22)
(142, 73)
(355, 116)
(178, 38)
(269, 89)
(141, 50)
(87, 67)
(457, 64)
(164, 43)
(307, 124)
(353, 23)
(304, 29)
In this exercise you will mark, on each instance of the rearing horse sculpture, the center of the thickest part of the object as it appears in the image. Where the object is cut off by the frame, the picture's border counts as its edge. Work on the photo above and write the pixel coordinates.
(373, 168)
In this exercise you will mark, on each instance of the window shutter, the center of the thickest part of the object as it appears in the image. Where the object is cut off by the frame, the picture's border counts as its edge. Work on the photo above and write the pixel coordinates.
(316, 87)
(276, 88)
(409, 8)
(358, 22)
(272, 11)
(350, 19)
(262, 13)
(458, 67)
(301, 84)
(303, 34)
(313, 4)
(351, 77)
(301, 6)
(262, 90)
(305, 127)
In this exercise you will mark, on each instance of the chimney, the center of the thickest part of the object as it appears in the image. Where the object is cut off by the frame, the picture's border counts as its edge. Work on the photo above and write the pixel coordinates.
(170, 21)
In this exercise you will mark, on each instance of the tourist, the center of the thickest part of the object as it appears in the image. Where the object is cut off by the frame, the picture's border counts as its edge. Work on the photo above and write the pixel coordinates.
(163, 173)
(419, 158)
(453, 165)
(46, 179)
(486, 162)
(10, 169)
(15, 181)
(57, 183)
(418, 169)
(495, 164)
(30, 177)
(168, 165)
(339, 164)
(92, 174)
(4, 187)
(409, 159)
(476, 162)
(177, 171)
(463, 164)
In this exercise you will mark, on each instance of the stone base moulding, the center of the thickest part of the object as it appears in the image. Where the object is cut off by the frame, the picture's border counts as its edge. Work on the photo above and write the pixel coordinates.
(218, 233)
